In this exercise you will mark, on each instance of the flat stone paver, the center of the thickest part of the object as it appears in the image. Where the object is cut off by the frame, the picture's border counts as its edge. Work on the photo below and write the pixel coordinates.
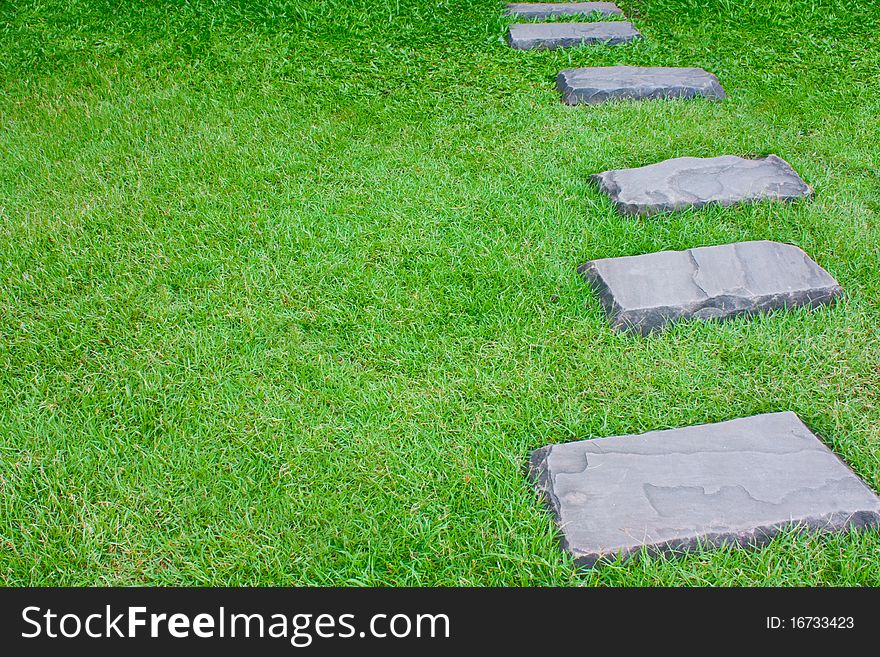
(548, 36)
(692, 182)
(551, 9)
(736, 482)
(644, 293)
(604, 83)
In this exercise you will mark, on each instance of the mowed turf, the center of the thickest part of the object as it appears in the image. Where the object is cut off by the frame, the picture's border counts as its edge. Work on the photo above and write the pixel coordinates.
(288, 290)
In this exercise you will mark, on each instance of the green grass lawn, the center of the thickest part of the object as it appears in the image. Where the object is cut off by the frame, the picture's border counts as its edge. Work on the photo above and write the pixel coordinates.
(288, 289)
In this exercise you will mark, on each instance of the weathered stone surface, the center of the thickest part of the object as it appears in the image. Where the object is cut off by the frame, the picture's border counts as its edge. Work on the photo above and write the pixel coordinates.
(603, 83)
(547, 36)
(643, 293)
(736, 482)
(551, 9)
(692, 182)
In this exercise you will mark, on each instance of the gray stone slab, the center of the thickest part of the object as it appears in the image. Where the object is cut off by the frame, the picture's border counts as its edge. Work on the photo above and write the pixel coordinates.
(692, 182)
(552, 9)
(548, 36)
(736, 482)
(604, 83)
(644, 293)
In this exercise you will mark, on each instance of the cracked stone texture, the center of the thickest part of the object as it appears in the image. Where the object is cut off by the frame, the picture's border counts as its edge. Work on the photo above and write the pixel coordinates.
(604, 83)
(550, 9)
(692, 182)
(644, 293)
(547, 36)
(736, 482)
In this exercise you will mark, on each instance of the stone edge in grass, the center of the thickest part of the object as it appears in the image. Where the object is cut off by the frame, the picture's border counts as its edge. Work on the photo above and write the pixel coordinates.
(591, 86)
(550, 36)
(836, 521)
(733, 302)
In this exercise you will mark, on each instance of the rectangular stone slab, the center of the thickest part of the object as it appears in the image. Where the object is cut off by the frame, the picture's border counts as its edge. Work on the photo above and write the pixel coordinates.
(737, 482)
(604, 83)
(644, 293)
(548, 36)
(692, 182)
(551, 9)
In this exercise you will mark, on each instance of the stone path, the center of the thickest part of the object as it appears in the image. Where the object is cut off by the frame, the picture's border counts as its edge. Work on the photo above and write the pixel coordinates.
(736, 482)
(539, 10)
(644, 293)
(690, 182)
(548, 36)
(604, 83)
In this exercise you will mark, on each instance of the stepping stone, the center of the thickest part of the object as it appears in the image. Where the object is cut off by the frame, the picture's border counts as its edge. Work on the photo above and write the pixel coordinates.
(644, 293)
(551, 9)
(692, 182)
(738, 482)
(547, 36)
(603, 83)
